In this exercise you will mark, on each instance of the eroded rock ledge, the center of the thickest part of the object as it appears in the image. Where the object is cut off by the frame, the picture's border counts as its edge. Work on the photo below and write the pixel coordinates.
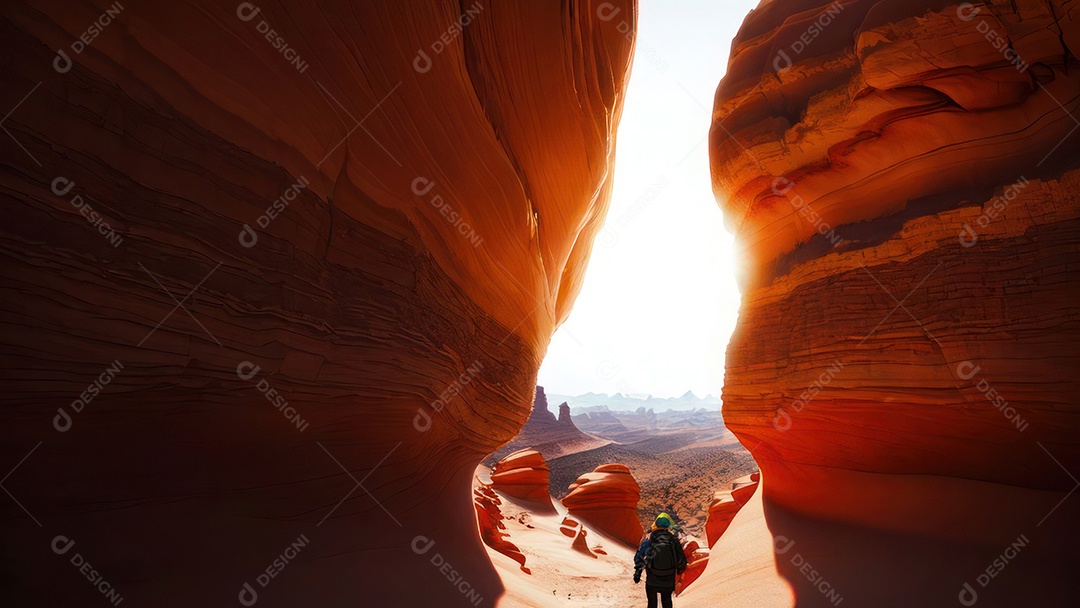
(381, 222)
(902, 180)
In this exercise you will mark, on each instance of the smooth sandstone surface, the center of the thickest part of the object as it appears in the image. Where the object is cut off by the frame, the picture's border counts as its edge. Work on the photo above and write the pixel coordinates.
(607, 499)
(902, 180)
(336, 369)
(524, 474)
(726, 504)
(741, 570)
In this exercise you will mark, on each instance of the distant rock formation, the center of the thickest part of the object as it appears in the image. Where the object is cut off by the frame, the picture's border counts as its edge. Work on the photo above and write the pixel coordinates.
(564, 414)
(726, 505)
(540, 415)
(524, 474)
(630, 426)
(621, 402)
(549, 435)
(601, 423)
(607, 499)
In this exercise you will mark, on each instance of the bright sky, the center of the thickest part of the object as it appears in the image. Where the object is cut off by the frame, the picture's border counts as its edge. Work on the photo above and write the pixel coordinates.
(659, 300)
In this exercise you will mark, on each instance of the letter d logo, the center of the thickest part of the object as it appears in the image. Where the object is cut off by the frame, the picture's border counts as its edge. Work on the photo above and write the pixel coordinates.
(248, 596)
(247, 370)
(967, 370)
(782, 62)
(968, 597)
(248, 237)
(246, 12)
(62, 63)
(419, 540)
(422, 63)
(60, 540)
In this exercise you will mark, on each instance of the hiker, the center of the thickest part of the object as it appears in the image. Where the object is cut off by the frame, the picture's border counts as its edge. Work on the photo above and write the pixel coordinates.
(662, 557)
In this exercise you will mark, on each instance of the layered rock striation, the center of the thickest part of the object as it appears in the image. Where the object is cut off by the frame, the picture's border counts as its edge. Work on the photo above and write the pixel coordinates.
(902, 181)
(275, 273)
(607, 499)
(525, 475)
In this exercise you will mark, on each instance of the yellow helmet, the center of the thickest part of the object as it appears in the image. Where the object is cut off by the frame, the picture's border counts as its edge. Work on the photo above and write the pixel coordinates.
(663, 521)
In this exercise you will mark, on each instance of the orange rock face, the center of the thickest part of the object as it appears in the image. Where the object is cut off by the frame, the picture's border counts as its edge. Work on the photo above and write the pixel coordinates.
(492, 529)
(902, 180)
(607, 499)
(696, 560)
(307, 261)
(726, 505)
(524, 475)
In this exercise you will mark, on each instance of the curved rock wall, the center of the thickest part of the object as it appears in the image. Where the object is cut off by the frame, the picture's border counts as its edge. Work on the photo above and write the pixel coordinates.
(285, 271)
(525, 475)
(608, 498)
(902, 180)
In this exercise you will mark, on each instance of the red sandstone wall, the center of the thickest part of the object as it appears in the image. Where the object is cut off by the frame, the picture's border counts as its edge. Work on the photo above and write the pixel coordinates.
(904, 193)
(438, 190)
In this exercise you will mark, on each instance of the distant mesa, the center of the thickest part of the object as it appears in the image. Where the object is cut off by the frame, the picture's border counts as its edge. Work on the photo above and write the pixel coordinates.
(524, 474)
(549, 435)
(726, 505)
(631, 402)
(629, 426)
(564, 414)
(607, 499)
(540, 414)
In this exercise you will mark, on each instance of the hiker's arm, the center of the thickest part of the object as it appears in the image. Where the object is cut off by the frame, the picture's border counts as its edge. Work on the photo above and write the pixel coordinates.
(639, 557)
(680, 559)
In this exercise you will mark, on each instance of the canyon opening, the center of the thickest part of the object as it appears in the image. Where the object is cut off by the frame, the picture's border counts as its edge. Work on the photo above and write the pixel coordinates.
(281, 281)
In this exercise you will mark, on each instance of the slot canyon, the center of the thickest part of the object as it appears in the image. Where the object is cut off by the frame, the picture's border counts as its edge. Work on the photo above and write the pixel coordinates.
(279, 278)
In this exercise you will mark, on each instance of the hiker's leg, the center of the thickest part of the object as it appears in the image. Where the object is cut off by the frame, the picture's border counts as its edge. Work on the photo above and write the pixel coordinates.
(650, 593)
(665, 597)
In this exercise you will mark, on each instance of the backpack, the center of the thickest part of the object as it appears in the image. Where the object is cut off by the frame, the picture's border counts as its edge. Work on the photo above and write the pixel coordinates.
(660, 559)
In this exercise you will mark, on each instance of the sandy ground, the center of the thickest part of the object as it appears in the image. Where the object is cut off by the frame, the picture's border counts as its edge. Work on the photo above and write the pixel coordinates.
(562, 576)
(742, 569)
(741, 572)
